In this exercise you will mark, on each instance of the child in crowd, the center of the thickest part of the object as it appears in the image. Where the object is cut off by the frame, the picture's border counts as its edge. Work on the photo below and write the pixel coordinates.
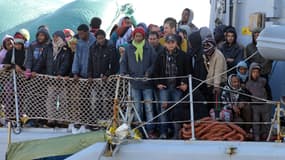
(259, 88)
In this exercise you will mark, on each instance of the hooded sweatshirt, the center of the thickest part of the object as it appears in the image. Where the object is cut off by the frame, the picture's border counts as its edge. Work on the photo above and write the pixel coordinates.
(243, 77)
(81, 57)
(230, 95)
(36, 49)
(3, 50)
(196, 53)
(265, 63)
(257, 87)
(233, 51)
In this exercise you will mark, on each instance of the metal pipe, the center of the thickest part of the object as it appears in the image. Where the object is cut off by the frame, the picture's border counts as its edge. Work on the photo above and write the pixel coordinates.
(191, 107)
(234, 14)
(9, 133)
(15, 91)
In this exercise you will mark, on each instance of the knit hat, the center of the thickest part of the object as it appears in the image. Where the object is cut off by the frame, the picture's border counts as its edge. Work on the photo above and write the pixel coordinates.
(19, 38)
(59, 34)
(209, 46)
(139, 30)
(68, 32)
(25, 33)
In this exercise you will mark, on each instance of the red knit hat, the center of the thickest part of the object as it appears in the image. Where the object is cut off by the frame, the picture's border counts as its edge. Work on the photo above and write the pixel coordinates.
(139, 30)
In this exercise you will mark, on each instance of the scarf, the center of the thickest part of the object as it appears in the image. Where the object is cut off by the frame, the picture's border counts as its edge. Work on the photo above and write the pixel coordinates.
(57, 46)
(139, 50)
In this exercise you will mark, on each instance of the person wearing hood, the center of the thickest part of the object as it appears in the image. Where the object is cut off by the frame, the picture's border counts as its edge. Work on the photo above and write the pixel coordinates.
(19, 55)
(258, 87)
(251, 48)
(138, 62)
(186, 20)
(234, 100)
(232, 51)
(81, 58)
(35, 50)
(7, 45)
(242, 73)
(216, 67)
(198, 71)
(55, 61)
(219, 35)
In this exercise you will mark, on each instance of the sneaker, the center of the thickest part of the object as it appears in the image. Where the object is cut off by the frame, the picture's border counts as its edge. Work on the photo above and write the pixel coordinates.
(70, 126)
(163, 136)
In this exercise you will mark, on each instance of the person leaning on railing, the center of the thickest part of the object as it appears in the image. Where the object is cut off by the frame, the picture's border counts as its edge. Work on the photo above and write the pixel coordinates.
(171, 62)
(138, 62)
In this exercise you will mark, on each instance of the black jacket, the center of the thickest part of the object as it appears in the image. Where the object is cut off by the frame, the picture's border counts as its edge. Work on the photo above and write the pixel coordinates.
(54, 66)
(19, 57)
(103, 60)
(183, 67)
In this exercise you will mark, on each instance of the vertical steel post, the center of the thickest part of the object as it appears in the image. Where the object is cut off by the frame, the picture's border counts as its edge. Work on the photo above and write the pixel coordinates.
(191, 107)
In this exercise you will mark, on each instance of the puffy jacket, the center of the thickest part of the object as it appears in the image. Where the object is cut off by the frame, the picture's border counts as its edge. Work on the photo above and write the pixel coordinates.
(36, 49)
(129, 65)
(54, 66)
(103, 60)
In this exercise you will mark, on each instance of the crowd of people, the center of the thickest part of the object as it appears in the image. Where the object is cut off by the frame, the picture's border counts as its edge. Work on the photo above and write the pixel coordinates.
(169, 53)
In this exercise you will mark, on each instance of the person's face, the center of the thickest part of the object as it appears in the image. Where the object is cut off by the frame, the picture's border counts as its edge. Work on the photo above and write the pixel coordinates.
(167, 29)
(242, 70)
(153, 40)
(230, 38)
(138, 37)
(171, 45)
(255, 36)
(8, 44)
(185, 16)
(235, 82)
(18, 46)
(156, 29)
(73, 46)
(68, 36)
(56, 38)
(255, 74)
(41, 38)
(100, 39)
(127, 22)
(83, 35)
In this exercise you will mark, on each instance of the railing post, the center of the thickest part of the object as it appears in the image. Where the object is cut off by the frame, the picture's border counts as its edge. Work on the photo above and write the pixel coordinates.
(278, 123)
(191, 107)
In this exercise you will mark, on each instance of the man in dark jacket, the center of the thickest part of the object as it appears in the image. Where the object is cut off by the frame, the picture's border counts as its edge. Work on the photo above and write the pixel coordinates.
(103, 59)
(138, 62)
(55, 61)
(171, 62)
(36, 49)
(251, 48)
(232, 51)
